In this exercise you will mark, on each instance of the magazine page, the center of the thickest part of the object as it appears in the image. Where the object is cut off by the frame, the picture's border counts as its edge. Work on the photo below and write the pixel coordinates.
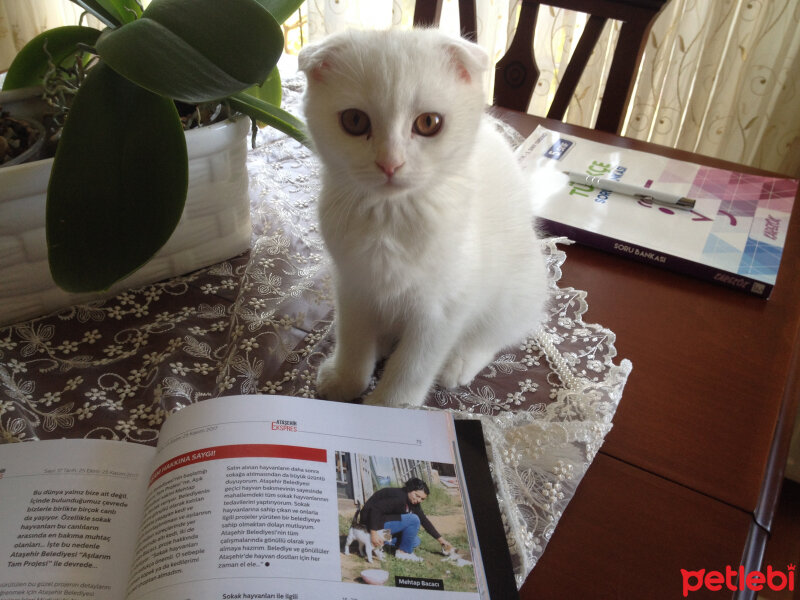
(256, 497)
(738, 224)
(70, 510)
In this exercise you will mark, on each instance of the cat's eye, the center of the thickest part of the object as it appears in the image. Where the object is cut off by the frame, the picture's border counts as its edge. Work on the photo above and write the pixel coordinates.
(428, 124)
(354, 121)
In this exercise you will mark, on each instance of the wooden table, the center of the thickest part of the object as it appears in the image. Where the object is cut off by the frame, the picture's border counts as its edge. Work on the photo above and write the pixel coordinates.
(690, 474)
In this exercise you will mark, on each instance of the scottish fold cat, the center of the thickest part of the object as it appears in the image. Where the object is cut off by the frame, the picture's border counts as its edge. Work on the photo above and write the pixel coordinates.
(424, 211)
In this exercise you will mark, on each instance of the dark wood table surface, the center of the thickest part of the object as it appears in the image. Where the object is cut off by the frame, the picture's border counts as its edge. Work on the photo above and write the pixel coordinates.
(690, 474)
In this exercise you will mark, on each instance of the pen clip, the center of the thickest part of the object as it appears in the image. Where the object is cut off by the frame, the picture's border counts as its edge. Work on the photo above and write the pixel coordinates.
(683, 203)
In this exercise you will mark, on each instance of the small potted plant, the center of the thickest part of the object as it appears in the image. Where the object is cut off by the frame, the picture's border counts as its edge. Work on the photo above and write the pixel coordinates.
(119, 177)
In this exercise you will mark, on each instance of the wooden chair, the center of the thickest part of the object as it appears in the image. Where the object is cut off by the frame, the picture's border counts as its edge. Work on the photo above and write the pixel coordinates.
(516, 73)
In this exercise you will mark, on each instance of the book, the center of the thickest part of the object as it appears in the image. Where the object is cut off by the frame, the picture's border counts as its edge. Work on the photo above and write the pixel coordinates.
(250, 497)
(734, 236)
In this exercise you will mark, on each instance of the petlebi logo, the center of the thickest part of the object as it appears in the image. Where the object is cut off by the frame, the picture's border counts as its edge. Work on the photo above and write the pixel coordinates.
(737, 580)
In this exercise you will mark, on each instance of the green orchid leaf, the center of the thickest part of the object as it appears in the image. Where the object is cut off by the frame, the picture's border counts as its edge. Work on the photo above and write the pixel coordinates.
(281, 9)
(125, 10)
(118, 11)
(269, 91)
(273, 116)
(225, 47)
(118, 183)
(96, 9)
(32, 62)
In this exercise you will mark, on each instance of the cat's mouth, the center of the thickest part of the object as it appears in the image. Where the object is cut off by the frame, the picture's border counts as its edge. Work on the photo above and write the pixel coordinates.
(393, 185)
(384, 185)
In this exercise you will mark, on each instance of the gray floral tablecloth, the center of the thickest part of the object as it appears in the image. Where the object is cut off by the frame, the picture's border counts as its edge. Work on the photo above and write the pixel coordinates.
(261, 322)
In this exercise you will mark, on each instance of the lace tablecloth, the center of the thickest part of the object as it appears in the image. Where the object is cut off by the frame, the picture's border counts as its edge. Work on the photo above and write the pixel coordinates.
(261, 322)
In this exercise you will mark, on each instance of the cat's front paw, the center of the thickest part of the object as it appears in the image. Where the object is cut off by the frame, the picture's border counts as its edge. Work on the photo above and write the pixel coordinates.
(337, 384)
(462, 367)
(380, 397)
(457, 372)
(376, 398)
(451, 373)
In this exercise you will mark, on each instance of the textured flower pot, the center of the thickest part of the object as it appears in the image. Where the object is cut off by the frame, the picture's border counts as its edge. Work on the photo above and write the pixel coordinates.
(215, 224)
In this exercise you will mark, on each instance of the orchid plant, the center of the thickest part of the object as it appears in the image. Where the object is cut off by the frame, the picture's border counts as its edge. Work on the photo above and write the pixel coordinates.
(120, 173)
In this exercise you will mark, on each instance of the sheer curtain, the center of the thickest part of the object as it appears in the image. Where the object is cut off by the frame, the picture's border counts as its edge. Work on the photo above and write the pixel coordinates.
(21, 20)
(721, 78)
(718, 78)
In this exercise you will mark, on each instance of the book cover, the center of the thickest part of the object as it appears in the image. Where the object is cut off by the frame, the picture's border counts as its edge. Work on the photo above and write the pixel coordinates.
(254, 497)
(734, 236)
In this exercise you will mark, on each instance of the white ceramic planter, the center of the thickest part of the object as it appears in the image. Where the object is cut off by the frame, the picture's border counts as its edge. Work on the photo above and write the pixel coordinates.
(215, 224)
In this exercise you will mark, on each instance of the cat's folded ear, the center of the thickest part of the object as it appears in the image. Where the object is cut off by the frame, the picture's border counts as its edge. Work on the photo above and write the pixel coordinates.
(313, 60)
(470, 60)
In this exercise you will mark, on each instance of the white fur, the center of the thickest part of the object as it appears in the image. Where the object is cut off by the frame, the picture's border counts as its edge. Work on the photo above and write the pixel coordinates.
(440, 259)
(454, 557)
(365, 548)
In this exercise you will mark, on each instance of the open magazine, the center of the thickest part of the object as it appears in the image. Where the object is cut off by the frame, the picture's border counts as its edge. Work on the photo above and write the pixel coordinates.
(251, 497)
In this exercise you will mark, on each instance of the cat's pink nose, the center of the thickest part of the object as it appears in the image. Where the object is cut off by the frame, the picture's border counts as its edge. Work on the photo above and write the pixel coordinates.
(389, 168)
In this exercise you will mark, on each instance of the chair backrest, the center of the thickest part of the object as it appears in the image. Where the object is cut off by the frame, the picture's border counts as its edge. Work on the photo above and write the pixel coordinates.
(516, 73)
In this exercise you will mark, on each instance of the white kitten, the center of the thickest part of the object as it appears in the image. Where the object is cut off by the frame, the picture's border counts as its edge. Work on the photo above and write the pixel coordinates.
(360, 534)
(454, 557)
(424, 211)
